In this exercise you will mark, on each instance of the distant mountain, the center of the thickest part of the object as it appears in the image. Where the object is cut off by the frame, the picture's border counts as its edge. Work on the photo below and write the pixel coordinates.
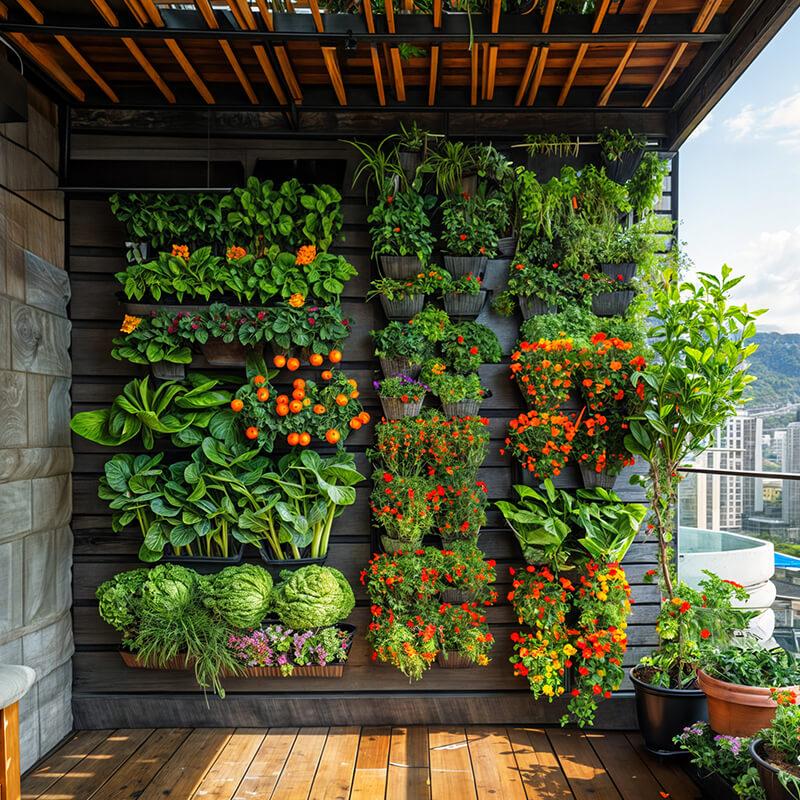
(776, 365)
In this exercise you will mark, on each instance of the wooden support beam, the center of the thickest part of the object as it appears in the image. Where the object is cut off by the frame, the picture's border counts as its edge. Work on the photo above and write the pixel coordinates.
(237, 14)
(580, 55)
(137, 11)
(473, 94)
(152, 12)
(526, 75)
(541, 63)
(288, 74)
(204, 7)
(149, 69)
(373, 52)
(48, 64)
(437, 13)
(30, 9)
(605, 95)
(335, 73)
(106, 13)
(492, 70)
(189, 70)
(496, 5)
(704, 17)
(397, 75)
(483, 59)
(247, 15)
(314, 6)
(270, 74)
(266, 14)
(434, 76)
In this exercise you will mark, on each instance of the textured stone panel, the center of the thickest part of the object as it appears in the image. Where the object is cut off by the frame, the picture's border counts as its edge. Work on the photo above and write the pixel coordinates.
(13, 409)
(47, 586)
(10, 586)
(59, 412)
(38, 462)
(29, 728)
(52, 502)
(15, 500)
(5, 333)
(46, 287)
(38, 341)
(55, 707)
(49, 647)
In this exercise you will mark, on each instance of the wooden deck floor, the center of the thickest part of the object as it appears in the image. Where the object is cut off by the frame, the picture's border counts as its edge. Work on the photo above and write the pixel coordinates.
(366, 764)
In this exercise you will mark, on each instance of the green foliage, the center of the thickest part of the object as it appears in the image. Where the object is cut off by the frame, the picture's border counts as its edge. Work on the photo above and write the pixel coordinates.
(471, 224)
(450, 388)
(432, 323)
(644, 188)
(749, 663)
(400, 224)
(239, 596)
(614, 143)
(312, 597)
(168, 590)
(119, 597)
(379, 167)
(402, 340)
(467, 345)
(557, 145)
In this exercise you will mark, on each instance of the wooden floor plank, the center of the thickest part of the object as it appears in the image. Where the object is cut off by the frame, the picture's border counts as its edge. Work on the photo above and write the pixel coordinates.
(266, 767)
(409, 774)
(128, 782)
(624, 766)
(301, 766)
(68, 756)
(450, 764)
(542, 777)
(674, 781)
(494, 765)
(583, 769)
(184, 772)
(334, 776)
(224, 777)
(369, 779)
(98, 766)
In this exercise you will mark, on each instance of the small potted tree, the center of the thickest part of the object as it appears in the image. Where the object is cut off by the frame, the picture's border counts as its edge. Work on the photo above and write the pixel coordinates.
(701, 341)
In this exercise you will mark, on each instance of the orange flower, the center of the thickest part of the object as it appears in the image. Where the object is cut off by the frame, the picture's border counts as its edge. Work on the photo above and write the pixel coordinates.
(296, 300)
(180, 251)
(235, 253)
(130, 323)
(305, 255)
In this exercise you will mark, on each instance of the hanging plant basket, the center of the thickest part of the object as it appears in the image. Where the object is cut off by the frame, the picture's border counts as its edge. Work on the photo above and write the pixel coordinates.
(458, 266)
(453, 659)
(409, 162)
(392, 545)
(627, 270)
(534, 307)
(592, 479)
(224, 354)
(167, 371)
(612, 304)
(457, 596)
(403, 309)
(462, 408)
(462, 306)
(621, 170)
(400, 267)
(507, 246)
(399, 366)
(206, 565)
(549, 165)
(395, 408)
(276, 565)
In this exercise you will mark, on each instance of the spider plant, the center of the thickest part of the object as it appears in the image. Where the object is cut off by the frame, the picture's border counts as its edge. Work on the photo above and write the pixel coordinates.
(379, 165)
(448, 164)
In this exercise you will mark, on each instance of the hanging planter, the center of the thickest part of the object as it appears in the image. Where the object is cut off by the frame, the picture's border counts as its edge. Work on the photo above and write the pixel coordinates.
(612, 304)
(534, 307)
(453, 659)
(626, 270)
(463, 306)
(409, 163)
(592, 479)
(621, 169)
(458, 266)
(549, 162)
(275, 565)
(462, 408)
(399, 365)
(395, 408)
(400, 267)
(403, 309)
(167, 371)
(205, 565)
(391, 545)
(224, 354)
(469, 184)
(507, 246)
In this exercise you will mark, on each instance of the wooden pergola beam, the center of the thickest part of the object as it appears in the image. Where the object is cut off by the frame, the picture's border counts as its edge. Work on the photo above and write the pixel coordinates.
(394, 54)
(491, 61)
(335, 73)
(270, 74)
(580, 55)
(473, 92)
(48, 64)
(543, 51)
(373, 52)
(526, 75)
(434, 75)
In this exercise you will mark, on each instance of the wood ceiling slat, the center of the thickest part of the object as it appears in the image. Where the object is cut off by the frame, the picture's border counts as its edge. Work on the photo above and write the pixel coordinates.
(314, 6)
(437, 14)
(332, 65)
(543, 51)
(526, 75)
(49, 65)
(266, 13)
(584, 46)
(270, 74)
(137, 11)
(375, 58)
(152, 12)
(149, 69)
(433, 75)
(34, 13)
(473, 95)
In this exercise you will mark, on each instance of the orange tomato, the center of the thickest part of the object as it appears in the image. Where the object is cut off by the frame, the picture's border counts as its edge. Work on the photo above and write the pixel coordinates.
(293, 438)
(341, 400)
(326, 375)
(354, 394)
(305, 439)
(259, 380)
(293, 364)
(335, 356)
(282, 410)
(319, 408)
(315, 360)
(364, 417)
(295, 406)
(299, 394)
(332, 436)
(279, 361)
(299, 383)
(282, 399)
(355, 423)
(236, 405)
(251, 432)
(263, 395)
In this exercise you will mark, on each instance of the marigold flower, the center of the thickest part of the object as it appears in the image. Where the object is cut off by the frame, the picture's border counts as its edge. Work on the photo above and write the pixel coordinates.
(306, 254)
(235, 253)
(180, 251)
(296, 300)
(130, 323)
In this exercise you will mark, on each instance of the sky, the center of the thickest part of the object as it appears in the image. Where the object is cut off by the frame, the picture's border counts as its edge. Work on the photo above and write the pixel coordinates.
(740, 184)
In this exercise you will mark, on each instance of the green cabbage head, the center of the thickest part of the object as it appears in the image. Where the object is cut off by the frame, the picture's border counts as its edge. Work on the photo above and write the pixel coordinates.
(120, 597)
(168, 590)
(313, 596)
(239, 596)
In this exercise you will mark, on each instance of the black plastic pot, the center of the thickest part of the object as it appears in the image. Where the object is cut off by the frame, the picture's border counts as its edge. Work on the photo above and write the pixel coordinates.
(400, 267)
(548, 166)
(276, 565)
(403, 309)
(462, 307)
(409, 162)
(627, 270)
(664, 713)
(507, 246)
(167, 371)
(612, 304)
(534, 307)
(768, 775)
(458, 266)
(623, 168)
(205, 565)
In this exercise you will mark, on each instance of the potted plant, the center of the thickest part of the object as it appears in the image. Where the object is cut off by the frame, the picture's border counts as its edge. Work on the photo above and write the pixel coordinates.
(412, 144)
(469, 235)
(549, 152)
(647, 184)
(622, 152)
(466, 346)
(738, 681)
(464, 637)
(535, 281)
(464, 296)
(541, 442)
(403, 299)
(460, 395)
(545, 371)
(400, 396)
(152, 341)
(459, 510)
(694, 383)
(613, 295)
(400, 229)
(465, 574)
(452, 165)
(402, 349)
(776, 750)
(401, 506)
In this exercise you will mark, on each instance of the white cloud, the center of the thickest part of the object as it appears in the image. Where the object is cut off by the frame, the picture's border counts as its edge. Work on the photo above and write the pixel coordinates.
(778, 122)
(702, 128)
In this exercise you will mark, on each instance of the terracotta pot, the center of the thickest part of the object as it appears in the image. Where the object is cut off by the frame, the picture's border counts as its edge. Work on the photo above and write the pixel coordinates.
(735, 710)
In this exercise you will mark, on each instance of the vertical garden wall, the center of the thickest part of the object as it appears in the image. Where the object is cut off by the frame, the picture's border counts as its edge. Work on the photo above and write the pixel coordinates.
(106, 693)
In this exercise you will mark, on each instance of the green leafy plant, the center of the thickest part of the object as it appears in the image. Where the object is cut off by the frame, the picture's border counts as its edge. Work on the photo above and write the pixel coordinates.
(451, 388)
(557, 145)
(647, 183)
(449, 163)
(312, 597)
(400, 224)
(400, 505)
(432, 323)
(380, 166)
(239, 596)
(402, 340)
(470, 224)
(468, 345)
(616, 143)
(747, 662)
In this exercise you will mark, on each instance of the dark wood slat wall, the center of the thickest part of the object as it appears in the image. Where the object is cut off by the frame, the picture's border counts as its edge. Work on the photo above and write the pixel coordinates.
(104, 689)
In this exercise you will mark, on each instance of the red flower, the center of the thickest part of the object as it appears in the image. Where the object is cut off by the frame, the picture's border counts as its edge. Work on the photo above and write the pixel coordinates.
(463, 237)
(473, 351)
(388, 477)
(390, 199)
(705, 633)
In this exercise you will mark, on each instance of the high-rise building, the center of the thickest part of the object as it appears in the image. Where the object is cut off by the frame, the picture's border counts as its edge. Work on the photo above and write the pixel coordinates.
(791, 463)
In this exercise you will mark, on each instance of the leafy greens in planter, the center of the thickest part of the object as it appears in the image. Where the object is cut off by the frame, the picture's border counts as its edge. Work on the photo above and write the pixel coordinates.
(312, 597)
(400, 225)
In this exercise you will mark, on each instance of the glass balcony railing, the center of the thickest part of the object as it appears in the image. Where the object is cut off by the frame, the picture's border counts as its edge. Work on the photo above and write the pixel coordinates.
(745, 527)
